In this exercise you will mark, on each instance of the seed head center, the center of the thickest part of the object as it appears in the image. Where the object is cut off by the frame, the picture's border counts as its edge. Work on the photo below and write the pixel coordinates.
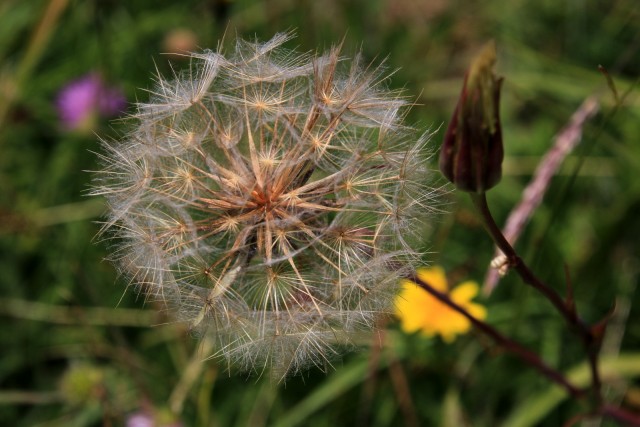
(265, 200)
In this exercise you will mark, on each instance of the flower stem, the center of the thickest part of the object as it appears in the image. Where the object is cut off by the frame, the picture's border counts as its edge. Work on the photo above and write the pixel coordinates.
(566, 310)
(505, 342)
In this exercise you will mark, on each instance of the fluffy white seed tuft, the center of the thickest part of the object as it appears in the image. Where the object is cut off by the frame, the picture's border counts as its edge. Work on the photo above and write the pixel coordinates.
(271, 199)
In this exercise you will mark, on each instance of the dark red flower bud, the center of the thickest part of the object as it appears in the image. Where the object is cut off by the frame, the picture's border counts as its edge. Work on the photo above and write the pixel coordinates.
(472, 153)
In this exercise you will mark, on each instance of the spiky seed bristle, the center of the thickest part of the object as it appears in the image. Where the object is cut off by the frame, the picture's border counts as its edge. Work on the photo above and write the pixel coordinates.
(269, 198)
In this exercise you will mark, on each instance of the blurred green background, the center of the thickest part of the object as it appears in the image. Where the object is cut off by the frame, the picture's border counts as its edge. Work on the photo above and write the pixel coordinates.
(78, 349)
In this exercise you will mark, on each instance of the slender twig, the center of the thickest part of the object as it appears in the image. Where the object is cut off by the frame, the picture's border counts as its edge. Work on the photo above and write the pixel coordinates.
(621, 415)
(515, 262)
(565, 142)
(505, 342)
(567, 311)
(629, 419)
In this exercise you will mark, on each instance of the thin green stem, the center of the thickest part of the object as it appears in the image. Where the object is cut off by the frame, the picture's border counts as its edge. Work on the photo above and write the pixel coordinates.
(34, 50)
(191, 373)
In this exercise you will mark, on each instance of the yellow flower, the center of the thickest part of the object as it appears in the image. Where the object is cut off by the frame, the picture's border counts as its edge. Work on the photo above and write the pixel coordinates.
(419, 311)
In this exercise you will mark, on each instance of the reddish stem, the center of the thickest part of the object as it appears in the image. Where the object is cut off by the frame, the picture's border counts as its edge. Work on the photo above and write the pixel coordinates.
(528, 277)
(505, 342)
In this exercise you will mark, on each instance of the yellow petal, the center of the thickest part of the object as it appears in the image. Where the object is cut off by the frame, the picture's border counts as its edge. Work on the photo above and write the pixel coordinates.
(464, 292)
(477, 311)
(420, 311)
(408, 307)
(435, 277)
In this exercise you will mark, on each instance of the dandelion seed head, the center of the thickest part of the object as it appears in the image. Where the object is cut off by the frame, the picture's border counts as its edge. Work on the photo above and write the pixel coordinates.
(271, 199)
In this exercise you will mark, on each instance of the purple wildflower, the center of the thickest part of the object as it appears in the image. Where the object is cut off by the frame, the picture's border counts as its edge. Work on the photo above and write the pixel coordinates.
(146, 419)
(80, 102)
(140, 419)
